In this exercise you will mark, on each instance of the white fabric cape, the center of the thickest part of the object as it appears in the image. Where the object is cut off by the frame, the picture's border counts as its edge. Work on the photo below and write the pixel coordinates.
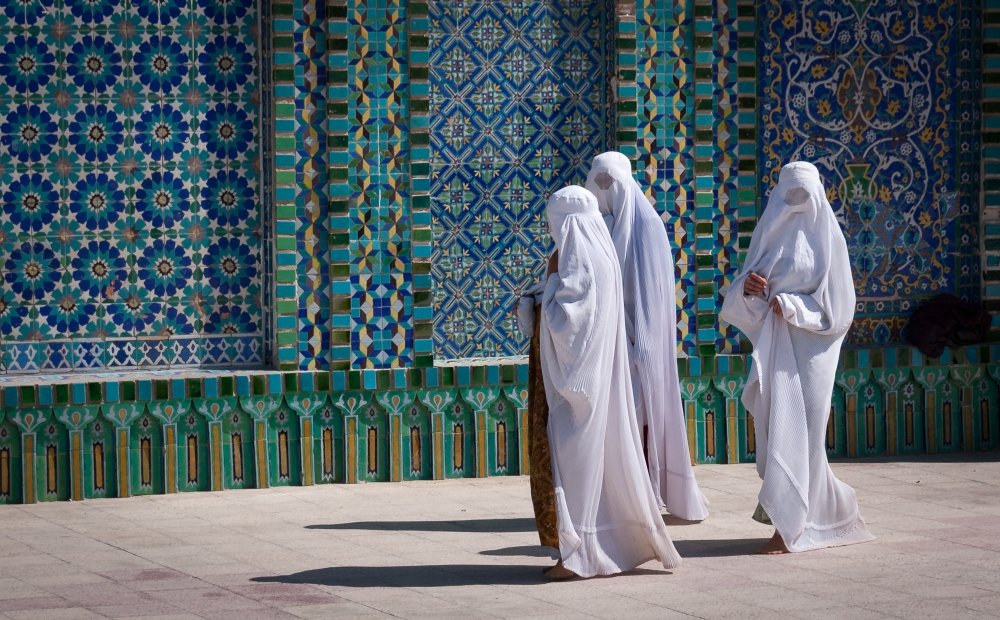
(647, 265)
(799, 248)
(607, 517)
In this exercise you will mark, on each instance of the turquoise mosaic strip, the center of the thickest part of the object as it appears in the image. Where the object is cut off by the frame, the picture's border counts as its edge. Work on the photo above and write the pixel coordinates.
(115, 438)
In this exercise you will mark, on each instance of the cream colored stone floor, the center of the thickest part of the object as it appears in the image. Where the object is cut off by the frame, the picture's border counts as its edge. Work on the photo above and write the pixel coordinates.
(467, 549)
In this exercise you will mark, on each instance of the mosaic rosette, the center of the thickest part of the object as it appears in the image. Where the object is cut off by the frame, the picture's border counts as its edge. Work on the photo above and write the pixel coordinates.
(130, 184)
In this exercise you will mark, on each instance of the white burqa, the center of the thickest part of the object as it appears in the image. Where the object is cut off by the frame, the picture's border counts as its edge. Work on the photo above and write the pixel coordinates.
(799, 248)
(608, 520)
(647, 265)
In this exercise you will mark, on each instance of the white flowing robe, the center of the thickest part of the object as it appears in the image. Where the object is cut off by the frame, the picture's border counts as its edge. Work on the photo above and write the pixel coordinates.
(608, 519)
(644, 255)
(799, 248)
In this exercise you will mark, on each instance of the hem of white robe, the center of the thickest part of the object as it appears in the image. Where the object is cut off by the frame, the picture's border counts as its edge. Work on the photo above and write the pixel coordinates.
(813, 538)
(581, 562)
(849, 531)
(690, 504)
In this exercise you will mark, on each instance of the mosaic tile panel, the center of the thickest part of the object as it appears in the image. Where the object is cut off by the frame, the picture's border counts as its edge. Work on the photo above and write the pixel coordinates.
(422, 234)
(665, 80)
(130, 186)
(747, 199)
(990, 149)
(267, 173)
(719, 241)
(378, 179)
(885, 131)
(125, 436)
(687, 143)
(970, 143)
(339, 224)
(311, 201)
(302, 288)
(514, 115)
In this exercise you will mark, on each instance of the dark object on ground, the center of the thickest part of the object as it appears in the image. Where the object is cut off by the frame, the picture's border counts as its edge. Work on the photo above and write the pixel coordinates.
(946, 321)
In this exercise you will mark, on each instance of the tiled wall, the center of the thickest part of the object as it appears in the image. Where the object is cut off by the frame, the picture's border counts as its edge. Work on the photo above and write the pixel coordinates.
(352, 245)
(680, 116)
(990, 217)
(883, 98)
(519, 106)
(353, 174)
(129, 181)
(725, 91)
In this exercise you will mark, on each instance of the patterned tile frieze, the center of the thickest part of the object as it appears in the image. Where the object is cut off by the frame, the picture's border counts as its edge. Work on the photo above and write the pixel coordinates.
(379, 186)
(990, 149)
(130, 186)
(124, 437)
(886, 130)
(720, 239)
(665, 140)
(688, 148)
(311, 178)
(267, 174)
(514, 115)
(422, 233)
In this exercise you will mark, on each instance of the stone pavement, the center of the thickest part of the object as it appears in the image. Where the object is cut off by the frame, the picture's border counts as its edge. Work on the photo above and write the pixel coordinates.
(467, 549)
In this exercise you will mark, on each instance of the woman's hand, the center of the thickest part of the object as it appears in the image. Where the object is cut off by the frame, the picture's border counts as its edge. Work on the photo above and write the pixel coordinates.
(754, 284)
(776, 307)
(554, 263)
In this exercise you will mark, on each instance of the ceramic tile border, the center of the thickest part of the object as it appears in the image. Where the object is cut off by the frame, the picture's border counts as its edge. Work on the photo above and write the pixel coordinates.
(421, 225)
(970, 136)
(285, 219)
(339, 227)
(990, 164)
(95, 390)
(89, 441)
(312, 194)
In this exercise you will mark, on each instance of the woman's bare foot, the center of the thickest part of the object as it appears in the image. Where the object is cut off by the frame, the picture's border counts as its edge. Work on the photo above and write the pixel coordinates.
(559, 573)
(775, 546)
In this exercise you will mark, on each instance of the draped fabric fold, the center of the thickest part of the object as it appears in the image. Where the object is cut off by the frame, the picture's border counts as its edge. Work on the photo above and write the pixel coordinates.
(608, 520)
(799, 249)
(644, 255)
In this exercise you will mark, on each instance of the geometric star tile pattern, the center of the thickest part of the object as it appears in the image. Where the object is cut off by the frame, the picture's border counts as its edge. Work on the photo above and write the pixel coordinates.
(514, 116)
(686, 143)
(378, 179)
(129, 184)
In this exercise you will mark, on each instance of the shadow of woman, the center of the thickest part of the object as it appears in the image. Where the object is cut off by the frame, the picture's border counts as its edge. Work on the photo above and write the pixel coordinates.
(718, 548)
(457, 525)
(425, 576)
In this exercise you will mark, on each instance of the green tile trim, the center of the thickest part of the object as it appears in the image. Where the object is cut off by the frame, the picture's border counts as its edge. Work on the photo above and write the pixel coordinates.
(948, 404)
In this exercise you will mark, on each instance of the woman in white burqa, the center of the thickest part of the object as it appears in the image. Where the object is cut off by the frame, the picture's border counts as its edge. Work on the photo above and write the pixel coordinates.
(794, 300)
(644, 255)
(607, 518)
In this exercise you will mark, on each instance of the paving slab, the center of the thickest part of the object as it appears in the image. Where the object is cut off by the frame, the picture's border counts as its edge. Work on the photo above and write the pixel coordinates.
(467, 549)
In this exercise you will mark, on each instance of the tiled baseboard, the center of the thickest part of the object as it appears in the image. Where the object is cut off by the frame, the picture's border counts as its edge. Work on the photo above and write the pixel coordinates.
(92, 436)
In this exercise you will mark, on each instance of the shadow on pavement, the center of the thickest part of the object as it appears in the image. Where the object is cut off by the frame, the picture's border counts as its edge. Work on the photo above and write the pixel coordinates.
(670, 519)
(432, 576)
(534, 551)
(466, 525)
(718, 548)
